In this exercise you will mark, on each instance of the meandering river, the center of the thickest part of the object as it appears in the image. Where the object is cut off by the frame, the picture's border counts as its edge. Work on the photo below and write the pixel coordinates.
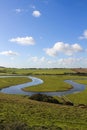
(17, 89)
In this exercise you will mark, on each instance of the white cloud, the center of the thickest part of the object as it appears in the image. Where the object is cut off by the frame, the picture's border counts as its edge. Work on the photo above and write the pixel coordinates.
(71, 62)
(65, 48)
(23, 40)
(68, 61)
(18, 10)
(38, 62)
(36, 13)
(9, 53)
(51, 51)
(84, 35)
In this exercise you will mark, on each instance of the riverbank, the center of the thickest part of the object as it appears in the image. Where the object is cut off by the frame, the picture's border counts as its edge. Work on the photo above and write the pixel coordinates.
(51, 84)
(55, 83)
(18, 89)
(6, 81)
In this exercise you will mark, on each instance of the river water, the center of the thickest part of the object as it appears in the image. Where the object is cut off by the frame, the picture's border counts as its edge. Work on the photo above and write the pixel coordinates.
(17, 89)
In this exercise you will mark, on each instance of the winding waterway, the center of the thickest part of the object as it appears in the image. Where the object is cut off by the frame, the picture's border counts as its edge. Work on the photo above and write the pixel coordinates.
(17, 89)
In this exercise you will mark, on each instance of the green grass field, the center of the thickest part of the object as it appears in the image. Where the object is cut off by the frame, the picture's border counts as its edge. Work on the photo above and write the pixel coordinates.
(18, 112)
(4, 71)
(81, 97)
(6, 82)
(54, 83)
(51, 83)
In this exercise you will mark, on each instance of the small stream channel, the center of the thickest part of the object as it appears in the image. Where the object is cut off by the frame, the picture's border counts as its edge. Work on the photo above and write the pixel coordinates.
(17, 89)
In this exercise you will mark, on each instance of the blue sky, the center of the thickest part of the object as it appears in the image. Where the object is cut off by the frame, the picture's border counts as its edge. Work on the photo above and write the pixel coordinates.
(43, 33)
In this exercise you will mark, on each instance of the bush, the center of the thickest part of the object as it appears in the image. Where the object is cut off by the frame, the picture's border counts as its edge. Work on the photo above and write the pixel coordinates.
(68, 103)
(44, 98)
(82, 105)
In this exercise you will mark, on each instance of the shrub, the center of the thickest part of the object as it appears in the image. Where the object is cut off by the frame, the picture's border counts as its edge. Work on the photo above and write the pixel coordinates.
(82, 105)
(68, 103)
(44, 98)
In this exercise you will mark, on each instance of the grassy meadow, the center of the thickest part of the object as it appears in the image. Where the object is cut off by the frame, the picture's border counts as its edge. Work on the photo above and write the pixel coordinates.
(9, 81)
(51, 83)
(33, 71)
(81, 97)
(18, 112)
(55, 83)
(25, 114)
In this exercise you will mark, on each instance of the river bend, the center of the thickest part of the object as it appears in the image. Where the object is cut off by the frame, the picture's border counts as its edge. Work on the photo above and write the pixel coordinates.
(17, 89)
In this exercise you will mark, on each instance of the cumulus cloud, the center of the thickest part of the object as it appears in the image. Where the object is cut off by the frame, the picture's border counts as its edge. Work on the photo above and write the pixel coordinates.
(65, 48)
(39, 62)
(36, 13)
(84, 35)
(23, 40)
(70, 62)
(9, 53)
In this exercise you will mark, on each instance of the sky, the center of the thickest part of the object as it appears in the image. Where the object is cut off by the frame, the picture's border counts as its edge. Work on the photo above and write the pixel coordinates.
(43, 33)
